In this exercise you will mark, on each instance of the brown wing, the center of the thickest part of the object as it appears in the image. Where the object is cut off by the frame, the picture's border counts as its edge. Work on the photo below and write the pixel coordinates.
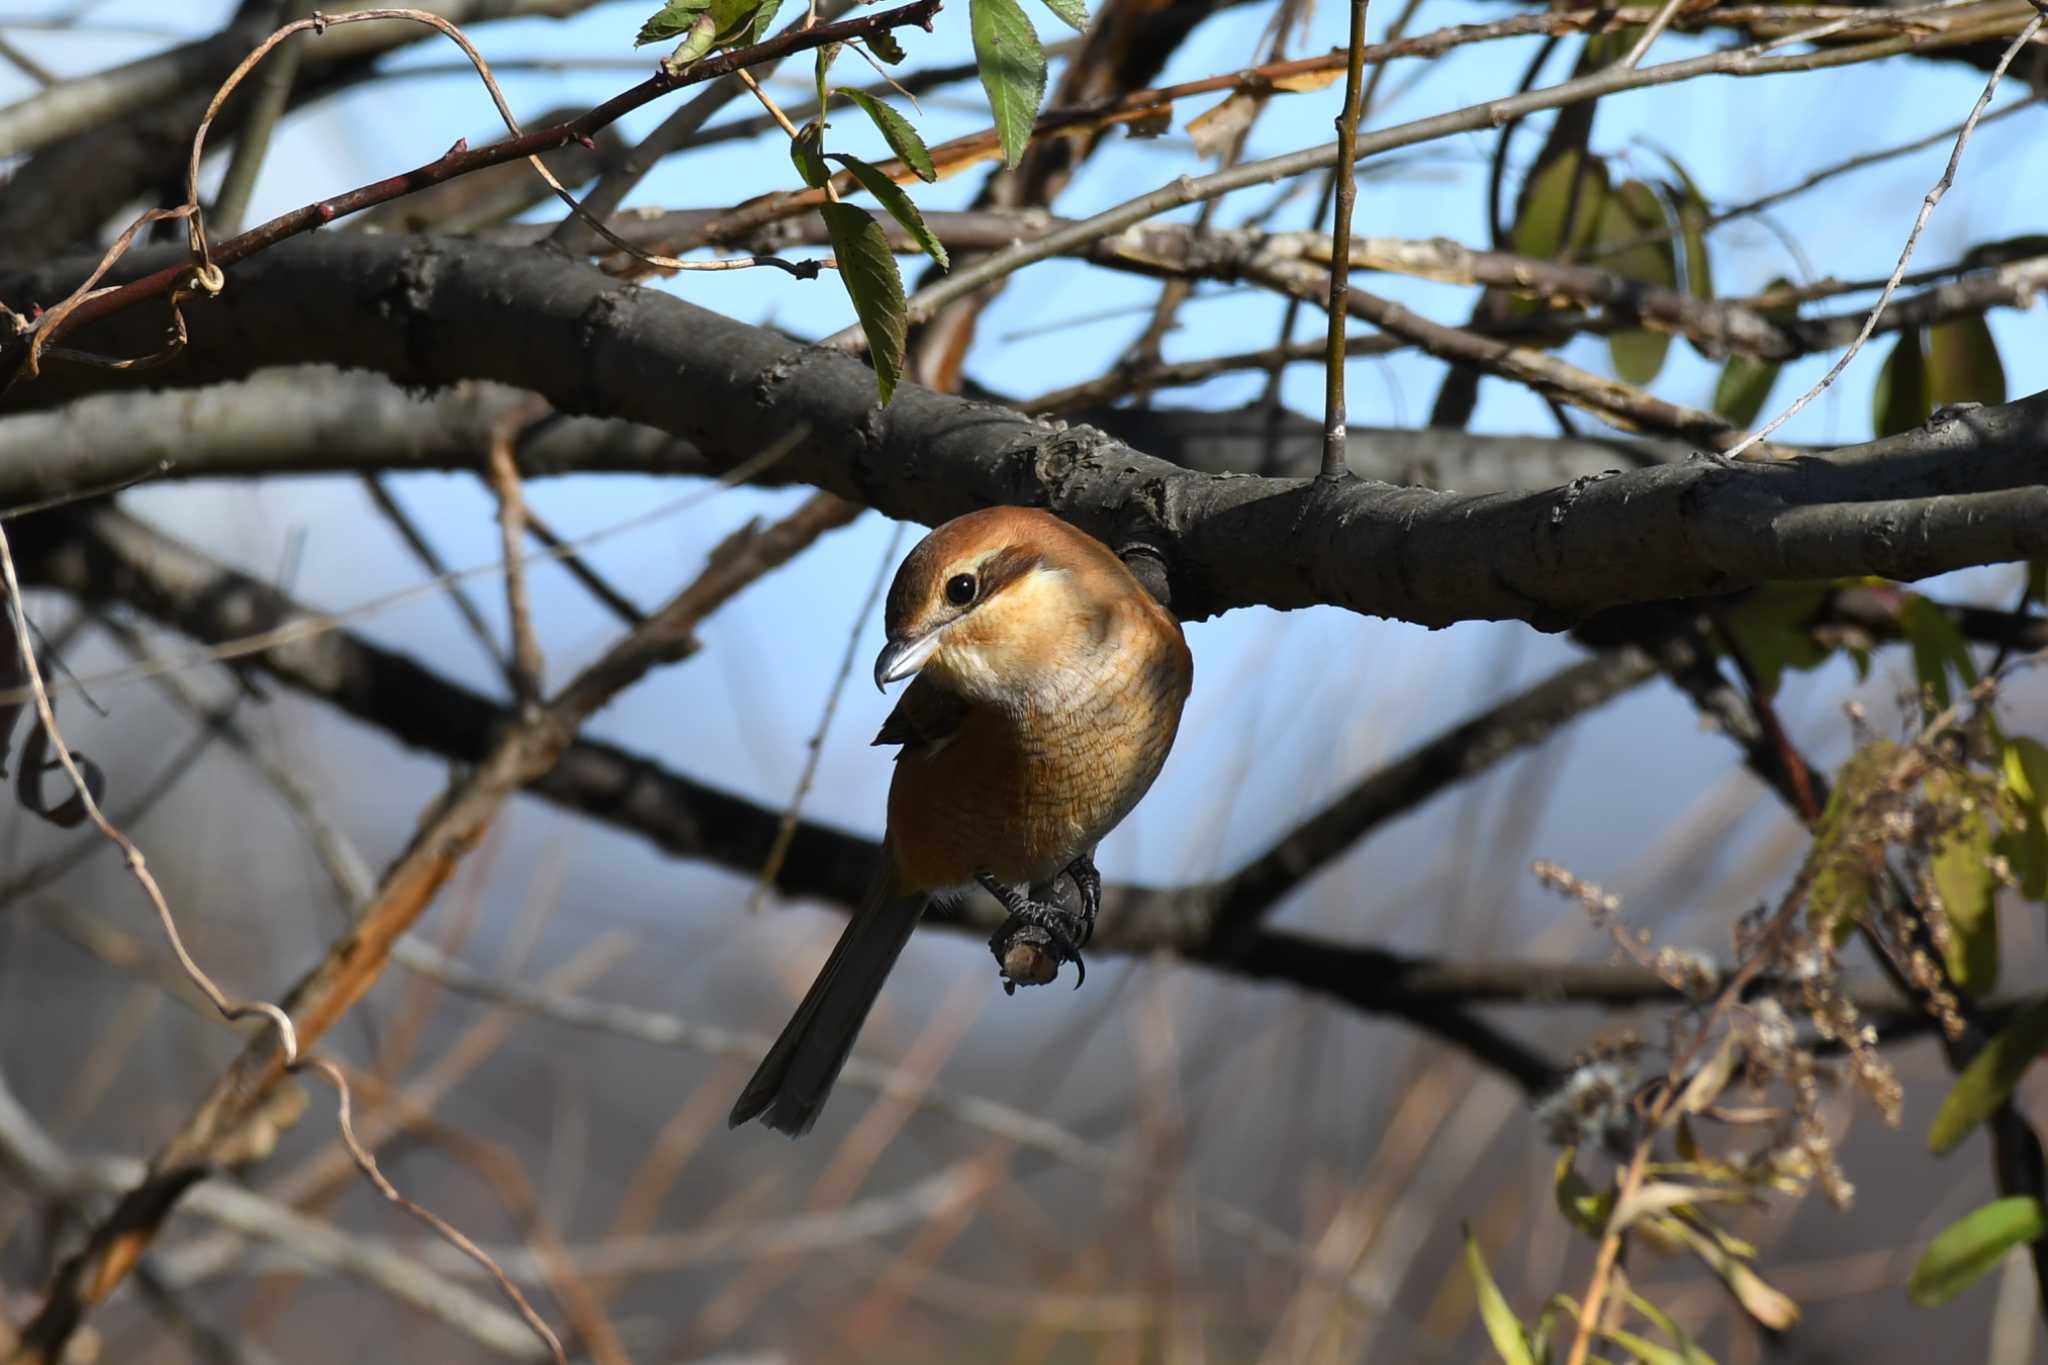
(925, 717)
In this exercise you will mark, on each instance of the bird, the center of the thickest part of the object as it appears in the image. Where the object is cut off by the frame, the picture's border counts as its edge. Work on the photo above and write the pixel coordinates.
(1046, 690)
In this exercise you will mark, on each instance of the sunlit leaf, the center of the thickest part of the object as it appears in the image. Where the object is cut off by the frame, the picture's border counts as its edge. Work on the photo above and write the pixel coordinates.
(1762, 1302)
(2023, 839)
(891, 197)
(1072, 13)
(1503, 1328)
(1963, 364)
(1012, 70)
(672, 20)
(1963, 1251)
(1989, 1079)
(821, 65)
(865, 262)
(1844, 865)
(897, 132)
(1900, 402)
(1968, 888)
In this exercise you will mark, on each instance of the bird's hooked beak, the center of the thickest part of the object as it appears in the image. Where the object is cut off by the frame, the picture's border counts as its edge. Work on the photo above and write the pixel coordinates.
(901, 658)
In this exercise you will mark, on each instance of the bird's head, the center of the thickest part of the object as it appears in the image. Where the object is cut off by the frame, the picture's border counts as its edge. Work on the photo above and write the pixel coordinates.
(990, 603)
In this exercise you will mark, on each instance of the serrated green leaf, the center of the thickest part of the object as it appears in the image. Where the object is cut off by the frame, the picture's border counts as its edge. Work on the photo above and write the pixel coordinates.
(806, 153)
(764, 19)
(1012, 70)
(897, 131)
(1964, 880)
(1072, 13)
(1900, 402)
(1503, 1328)
(1990, 1077)
(671, 20)
(891, 197)
(1963, 364)
(884, 46)
(869, 270)
(1963, 1251)
(1632, 212)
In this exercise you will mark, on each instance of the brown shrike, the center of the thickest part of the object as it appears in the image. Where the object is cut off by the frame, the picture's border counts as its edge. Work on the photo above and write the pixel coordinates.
(1049, 686)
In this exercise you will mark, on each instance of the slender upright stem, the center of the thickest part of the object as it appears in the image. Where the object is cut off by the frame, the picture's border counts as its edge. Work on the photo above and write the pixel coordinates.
(1340, 250)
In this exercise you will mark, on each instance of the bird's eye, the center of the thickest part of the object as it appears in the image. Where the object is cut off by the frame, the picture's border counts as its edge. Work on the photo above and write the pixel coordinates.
(960, 589)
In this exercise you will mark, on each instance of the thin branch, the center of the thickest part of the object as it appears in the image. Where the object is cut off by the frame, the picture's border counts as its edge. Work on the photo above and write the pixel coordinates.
(1927, 203)
(461, 817)
(1334, 465)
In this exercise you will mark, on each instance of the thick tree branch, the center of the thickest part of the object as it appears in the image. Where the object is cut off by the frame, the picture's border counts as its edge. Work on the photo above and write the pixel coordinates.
(1968, 489)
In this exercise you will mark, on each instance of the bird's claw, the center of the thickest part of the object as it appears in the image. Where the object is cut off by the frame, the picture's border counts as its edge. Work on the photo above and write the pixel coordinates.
(1034, 941)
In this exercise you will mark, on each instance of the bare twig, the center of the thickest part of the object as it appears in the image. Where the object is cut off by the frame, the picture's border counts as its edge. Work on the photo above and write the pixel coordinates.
(528, 666)
(1346, 172)
(1927, 203)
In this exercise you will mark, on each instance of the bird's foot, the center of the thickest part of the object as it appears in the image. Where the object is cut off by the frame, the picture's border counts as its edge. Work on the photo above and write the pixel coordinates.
(1088, 882)
(1035, 939)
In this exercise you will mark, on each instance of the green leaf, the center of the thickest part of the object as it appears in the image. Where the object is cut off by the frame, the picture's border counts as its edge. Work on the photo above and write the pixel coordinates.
(1585, 1208)
(896, 130)
(1012, 70)
(869, 269)
(806, 152)
(1746, 383)
(1988, 1080)
(2023, 840)
(1634, 211)
(883, 44)
(671, 20)
(1757, 1297)
(1641, 1348)
(1560, 207)
(1688, 1352)
(1773, 627)
(764, 19)
(1503, 1328)
(1963, 364)
(1691, 208)
(891, 196)
(1900, 402)
(1072, 13)
(1938, 649)
(1964, 880)
(1961, 1252)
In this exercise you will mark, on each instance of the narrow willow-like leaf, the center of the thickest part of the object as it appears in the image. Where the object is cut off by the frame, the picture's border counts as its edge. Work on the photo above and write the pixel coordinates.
(896, 130)
(869, 269)
(1964, 1250)
(1634, 214)
(1503, 1328)
(891, 197)
(1012, 70)
(1988, 1080)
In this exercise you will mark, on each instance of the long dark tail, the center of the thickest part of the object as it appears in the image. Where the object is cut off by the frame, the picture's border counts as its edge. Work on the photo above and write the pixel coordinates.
(791, 1084)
